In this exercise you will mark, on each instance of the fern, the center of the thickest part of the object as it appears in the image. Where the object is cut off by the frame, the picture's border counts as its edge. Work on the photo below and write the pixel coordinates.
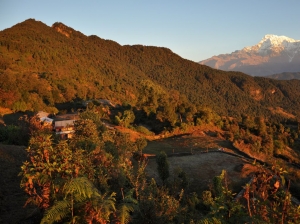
(124, 213)
(77, 192)
(126, 207)
(60, 210)
(81, 186)
(209, 221)
(104, 204)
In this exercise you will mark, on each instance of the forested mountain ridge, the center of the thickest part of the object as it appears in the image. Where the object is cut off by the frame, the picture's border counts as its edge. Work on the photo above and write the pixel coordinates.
(41, 66)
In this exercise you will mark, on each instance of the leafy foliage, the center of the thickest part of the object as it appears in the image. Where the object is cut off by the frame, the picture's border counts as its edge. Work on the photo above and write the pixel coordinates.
(127, 206)
(76, 192)
(71, 182)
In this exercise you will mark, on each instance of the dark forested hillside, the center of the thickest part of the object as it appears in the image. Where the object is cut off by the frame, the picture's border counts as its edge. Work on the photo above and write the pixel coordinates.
(41, 66)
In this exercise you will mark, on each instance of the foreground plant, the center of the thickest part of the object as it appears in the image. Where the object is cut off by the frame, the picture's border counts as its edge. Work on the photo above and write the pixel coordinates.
(81, 199)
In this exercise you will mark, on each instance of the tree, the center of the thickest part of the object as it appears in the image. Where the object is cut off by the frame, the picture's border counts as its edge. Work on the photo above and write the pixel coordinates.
(268, 144)
(94, 115)
(125, 119)
(180, 181)
(128, 117)
(162, 166)
(141, 143)
(86, 135)
(223, 206)
(157, 205)
(261, 125)
(206, 115)
(43, 172)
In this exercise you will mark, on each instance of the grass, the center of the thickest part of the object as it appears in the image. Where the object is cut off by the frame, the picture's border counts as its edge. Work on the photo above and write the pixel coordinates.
(185, 144)
(200, 168)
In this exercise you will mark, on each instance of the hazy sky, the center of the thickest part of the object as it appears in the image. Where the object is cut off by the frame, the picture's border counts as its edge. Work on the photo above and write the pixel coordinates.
(194, 29)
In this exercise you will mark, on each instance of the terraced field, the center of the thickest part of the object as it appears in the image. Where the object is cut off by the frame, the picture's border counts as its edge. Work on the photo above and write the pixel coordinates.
(201, 159)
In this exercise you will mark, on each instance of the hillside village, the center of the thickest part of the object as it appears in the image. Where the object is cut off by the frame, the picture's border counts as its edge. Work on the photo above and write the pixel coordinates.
(63, 124)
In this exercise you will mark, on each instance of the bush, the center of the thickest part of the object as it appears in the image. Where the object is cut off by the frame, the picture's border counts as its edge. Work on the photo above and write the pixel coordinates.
(13, 135)
(3, 133)
(184, 126)
(163, 166)
(198, 121)
(144, 130)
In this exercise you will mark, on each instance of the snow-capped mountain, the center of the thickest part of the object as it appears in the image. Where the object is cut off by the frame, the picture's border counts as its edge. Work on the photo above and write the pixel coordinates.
(273, 54)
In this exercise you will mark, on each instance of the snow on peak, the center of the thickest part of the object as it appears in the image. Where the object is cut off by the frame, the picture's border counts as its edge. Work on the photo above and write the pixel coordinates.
(274, 43)
(275, 40)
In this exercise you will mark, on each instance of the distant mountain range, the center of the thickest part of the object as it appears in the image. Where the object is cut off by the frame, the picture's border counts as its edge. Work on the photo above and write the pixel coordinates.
(272, 55)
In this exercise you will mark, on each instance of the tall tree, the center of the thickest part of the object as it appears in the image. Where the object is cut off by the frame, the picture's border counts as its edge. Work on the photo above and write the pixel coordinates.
(162, 166)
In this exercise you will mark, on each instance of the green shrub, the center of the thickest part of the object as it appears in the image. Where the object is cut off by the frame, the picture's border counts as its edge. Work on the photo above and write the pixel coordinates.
(144, 130)
(184, 126)
(13, 135)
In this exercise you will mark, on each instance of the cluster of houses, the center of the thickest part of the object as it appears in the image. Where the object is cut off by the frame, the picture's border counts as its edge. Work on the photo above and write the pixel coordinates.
(63, 125)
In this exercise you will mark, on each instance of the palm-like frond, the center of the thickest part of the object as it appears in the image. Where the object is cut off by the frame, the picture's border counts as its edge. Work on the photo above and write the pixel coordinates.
(78, 192)
(100, 209)
(104, 204)
(57, 212)
(129, 197)
(209, 221)
(126, 207)
(124, 213)
(81, 188)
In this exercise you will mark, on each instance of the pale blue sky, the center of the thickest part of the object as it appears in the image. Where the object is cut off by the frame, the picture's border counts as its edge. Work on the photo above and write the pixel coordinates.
(195, 29)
